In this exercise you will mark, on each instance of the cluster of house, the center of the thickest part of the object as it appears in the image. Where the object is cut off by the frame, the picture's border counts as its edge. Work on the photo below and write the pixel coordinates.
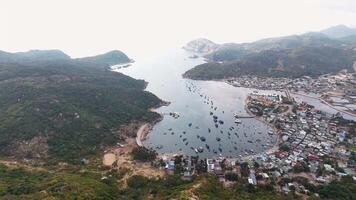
(312, 141)
(341, 81)
(313, 144)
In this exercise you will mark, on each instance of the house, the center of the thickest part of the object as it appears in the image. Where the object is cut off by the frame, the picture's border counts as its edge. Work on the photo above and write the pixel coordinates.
(210, 165)
(170, 165)
(328, 168)
(252, 178)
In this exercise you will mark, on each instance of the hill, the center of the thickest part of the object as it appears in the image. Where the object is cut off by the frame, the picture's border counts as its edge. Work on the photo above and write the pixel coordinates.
(201, 45)
(339, 31)
(297, 62)
(63, 109)
(312, 53)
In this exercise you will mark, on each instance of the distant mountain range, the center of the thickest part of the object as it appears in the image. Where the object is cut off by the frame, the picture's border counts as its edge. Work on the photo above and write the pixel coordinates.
(62, 109)
(312, 53)
(339, 31)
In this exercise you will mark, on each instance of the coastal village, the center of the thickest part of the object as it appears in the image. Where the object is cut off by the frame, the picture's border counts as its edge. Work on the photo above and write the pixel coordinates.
(314, 147)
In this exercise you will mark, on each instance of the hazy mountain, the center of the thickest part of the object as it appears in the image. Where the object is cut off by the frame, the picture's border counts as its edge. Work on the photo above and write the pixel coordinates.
(339, 31)
(201, 45)
(311, 61)
(312, 53)
(107, 59)
(33, 55)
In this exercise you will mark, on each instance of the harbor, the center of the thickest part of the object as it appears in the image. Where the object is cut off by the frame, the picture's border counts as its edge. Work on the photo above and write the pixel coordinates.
(217, 126)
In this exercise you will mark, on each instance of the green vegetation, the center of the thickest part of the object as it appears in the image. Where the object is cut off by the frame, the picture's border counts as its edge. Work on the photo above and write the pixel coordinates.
(231, 176)
(144, 154)
(22, 184)
(343, 190)
(311, 61)
(310, 54)
(66, 109)
(284, 147)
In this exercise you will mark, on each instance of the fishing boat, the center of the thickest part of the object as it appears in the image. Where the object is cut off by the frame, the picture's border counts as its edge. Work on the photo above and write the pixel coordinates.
(238, 121)
(200, 149)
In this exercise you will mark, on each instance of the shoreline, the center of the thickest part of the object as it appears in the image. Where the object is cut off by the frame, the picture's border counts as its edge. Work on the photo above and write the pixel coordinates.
(325, 103)
(277, 143)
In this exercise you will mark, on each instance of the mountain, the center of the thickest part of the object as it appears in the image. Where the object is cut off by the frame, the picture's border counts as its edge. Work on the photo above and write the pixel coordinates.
(202, 46)
(312, 53)
(339, 31)
(62, 109)
(107, 59)
(33, 55)
(233, 51)
(311, 61)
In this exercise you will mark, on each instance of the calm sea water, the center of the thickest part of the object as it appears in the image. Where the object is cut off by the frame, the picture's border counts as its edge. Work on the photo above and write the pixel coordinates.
(195, 101)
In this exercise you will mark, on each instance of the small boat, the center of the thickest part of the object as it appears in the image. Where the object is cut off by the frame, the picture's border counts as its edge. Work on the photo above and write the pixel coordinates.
(209, 130)
(211, 113)
(200, 149)
(190, 124)
(216, 125)
(207, 146)
(218, 139)
(221, 121)
(202, 138)
(238, 121)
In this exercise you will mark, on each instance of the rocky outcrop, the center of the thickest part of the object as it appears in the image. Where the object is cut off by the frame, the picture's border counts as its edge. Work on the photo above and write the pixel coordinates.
(201, 46)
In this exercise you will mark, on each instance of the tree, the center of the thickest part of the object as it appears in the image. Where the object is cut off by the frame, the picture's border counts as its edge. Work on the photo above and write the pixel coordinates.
(144, 154)
(201, 166)
(245, 171)
(284, 147)
(230, 176)
(137, 181)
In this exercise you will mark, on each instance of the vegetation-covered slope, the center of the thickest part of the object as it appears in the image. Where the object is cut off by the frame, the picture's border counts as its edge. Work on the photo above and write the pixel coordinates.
(297, 55)
(311, 61)
(65, 109)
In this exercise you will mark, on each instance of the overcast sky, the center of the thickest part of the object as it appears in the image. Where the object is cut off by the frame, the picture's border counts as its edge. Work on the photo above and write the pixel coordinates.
(148, 27)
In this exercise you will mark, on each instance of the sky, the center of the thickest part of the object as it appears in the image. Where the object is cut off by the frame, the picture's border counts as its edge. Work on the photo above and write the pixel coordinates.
(150, 27)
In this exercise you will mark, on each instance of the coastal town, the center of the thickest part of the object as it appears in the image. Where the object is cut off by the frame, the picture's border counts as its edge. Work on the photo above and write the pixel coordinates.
(313, 148)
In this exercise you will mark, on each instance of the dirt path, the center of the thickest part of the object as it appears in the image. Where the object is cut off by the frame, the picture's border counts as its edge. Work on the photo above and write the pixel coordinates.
(109, 159)
(122, 156)
(142, 134)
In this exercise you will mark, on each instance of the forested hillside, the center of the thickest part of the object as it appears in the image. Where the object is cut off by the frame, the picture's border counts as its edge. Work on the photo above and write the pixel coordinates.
(64, 109)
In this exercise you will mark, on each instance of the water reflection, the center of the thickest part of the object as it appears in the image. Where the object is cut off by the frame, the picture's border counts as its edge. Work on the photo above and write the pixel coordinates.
(206, 109)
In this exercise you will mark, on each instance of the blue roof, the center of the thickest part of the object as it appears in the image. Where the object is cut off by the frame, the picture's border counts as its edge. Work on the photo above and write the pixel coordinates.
(253, 177)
